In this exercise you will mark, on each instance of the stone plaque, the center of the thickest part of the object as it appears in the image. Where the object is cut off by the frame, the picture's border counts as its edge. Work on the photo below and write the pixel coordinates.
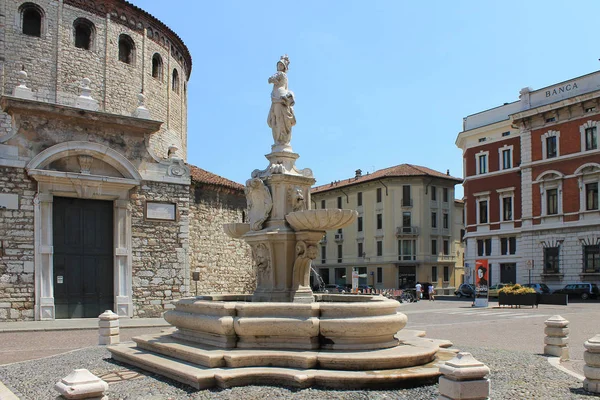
(161, 211)
(9, 201)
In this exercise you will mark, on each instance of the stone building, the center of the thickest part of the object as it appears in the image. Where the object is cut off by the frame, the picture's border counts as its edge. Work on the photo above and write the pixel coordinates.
(532, 170)
(98, 208)
(408, 229)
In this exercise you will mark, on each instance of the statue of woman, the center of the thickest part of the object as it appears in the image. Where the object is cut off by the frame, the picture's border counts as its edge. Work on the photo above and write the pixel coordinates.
(281, 115)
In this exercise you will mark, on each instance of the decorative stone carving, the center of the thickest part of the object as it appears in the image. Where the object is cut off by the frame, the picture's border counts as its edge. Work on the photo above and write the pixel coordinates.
(85, 99)
(263, 265)
(22, 91)
(259, 202)
(141, 111)
(296, 197)
(281, 117)
(85, 163)
(304, 256)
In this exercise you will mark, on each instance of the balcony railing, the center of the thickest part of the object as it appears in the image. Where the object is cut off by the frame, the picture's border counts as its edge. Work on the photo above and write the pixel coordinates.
(339, 237)
(407, 231)
(407, 202)
(446, 257)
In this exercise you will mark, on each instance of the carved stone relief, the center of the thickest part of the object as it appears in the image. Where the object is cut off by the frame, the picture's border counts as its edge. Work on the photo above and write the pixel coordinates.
(259, 202)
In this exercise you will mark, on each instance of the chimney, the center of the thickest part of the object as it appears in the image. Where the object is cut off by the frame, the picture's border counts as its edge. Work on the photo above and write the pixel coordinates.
(358, 173)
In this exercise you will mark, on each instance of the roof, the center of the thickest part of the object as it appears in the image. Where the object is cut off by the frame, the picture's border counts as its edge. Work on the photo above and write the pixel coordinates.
(402, 170)
(202, 176)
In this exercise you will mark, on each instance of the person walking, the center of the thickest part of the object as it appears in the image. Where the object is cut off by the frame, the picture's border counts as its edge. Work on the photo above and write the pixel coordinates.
(431, 292)
(419, 294)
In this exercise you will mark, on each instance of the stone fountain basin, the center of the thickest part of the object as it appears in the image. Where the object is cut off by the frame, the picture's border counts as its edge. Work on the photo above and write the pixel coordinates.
(332, 322)
(321, 220)
(236, 230)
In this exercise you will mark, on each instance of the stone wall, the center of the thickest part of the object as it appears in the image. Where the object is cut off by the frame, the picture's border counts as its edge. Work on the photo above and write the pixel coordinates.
(16, 248)
(225, 263)
(159, 262)
(56, 67)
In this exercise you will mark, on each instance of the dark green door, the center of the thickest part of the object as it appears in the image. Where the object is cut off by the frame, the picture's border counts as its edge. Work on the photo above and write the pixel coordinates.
(83, 257)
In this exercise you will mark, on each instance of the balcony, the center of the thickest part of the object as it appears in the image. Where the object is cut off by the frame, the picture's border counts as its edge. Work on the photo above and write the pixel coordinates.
(407, 231)
(407, 202)
(339, 237)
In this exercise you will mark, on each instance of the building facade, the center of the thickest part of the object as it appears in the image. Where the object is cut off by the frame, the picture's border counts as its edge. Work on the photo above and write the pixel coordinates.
(98, 208)
(408, 229)
(532, 170)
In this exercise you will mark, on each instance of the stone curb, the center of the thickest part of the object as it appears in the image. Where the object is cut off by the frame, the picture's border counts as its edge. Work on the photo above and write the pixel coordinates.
(6, 394)
(91, 324)
(555, 362)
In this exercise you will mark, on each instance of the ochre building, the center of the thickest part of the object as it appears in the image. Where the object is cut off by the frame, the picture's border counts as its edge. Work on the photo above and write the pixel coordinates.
(408, 229)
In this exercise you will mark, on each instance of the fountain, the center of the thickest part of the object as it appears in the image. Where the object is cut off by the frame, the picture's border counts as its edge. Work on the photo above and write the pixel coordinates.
(284, 333)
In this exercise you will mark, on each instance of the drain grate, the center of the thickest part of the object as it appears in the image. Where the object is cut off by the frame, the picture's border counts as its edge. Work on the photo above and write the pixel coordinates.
(119, 376)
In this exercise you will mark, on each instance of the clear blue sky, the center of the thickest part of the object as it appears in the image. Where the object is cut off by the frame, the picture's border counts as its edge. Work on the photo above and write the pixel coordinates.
(377, 83)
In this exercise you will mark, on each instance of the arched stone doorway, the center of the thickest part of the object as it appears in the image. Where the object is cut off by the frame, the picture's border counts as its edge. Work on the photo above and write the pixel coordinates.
(86, 171)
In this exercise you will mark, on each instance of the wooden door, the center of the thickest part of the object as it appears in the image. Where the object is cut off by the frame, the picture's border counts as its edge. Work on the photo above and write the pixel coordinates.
(83, 257)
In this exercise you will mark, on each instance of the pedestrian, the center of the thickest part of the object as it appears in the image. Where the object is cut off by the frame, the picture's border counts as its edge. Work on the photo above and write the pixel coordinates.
(419, 294)
(431, 292)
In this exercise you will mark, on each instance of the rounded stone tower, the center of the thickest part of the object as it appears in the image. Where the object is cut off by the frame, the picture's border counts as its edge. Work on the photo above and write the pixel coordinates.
(122, 49)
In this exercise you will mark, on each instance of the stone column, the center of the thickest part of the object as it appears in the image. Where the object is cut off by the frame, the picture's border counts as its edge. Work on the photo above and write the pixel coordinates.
(557, 337)
(463, 377)
(591, 370)
(122, 243)
(108, 328)
(44, 253)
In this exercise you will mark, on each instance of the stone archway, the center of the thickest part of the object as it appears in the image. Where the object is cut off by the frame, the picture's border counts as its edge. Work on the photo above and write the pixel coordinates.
(83, 170)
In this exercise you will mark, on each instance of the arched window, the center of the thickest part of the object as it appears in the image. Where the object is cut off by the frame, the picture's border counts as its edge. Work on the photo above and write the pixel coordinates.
(175, 86)
(157, 66)
(126, 49)
(31, 17)
(83, 33)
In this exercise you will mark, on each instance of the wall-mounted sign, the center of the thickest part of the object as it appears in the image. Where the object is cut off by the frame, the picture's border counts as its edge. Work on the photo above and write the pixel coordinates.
(59, 279)
(9, 201)
(161, 211)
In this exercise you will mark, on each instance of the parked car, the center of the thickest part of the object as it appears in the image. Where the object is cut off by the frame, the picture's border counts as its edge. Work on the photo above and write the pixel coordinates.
(465, 290)
(494, 289)
(540, 288)
(333, 288)
(583, 290)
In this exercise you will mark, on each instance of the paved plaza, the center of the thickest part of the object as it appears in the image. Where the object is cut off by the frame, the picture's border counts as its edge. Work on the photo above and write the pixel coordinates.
(508, 340)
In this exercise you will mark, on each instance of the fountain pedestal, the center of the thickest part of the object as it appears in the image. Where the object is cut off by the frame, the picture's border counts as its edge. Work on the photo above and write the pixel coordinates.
(283, 333)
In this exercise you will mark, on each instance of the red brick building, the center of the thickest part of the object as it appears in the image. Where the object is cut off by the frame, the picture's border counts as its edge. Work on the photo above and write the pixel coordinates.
(532, 170)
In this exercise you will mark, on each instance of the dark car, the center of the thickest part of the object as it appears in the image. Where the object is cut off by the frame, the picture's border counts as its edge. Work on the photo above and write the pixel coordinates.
(583, 290)
(540, 288)
(465, 290)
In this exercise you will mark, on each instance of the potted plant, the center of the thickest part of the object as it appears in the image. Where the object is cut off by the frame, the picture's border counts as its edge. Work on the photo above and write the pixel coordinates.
(517, 295)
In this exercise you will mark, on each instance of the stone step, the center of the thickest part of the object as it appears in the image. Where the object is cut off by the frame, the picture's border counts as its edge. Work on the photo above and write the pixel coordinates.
(415, 351)
(201, 377)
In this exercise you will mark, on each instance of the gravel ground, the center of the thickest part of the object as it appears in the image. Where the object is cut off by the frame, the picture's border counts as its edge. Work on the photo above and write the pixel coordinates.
(514, 376)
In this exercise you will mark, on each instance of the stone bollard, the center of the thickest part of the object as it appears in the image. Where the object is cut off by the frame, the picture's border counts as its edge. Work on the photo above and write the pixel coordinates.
(82, 384)
(463, 377)
(591, 370)
(108, 328)
(557, 337)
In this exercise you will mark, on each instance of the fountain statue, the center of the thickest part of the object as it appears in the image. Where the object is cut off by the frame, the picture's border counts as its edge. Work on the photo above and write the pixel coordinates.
(284, 333)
